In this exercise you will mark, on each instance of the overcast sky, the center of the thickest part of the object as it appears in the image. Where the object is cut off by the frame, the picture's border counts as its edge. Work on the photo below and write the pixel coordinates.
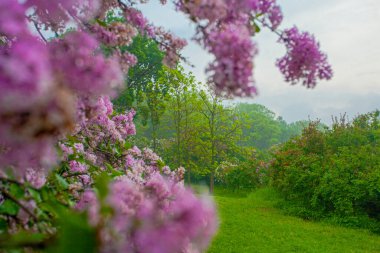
(348, 31)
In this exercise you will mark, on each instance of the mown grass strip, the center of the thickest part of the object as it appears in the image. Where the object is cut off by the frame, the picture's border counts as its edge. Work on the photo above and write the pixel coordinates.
(251, 223)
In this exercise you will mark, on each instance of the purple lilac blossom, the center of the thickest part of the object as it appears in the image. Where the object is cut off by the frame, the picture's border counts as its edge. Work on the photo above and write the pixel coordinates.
(303, 62)
(78, 65)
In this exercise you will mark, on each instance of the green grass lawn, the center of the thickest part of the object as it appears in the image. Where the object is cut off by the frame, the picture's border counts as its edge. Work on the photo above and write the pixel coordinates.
(252, 224)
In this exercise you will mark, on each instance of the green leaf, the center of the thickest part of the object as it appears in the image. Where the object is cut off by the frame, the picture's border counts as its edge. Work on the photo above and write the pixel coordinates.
(35, 195)
(21, 238)
(117, 173)
(45, 194)
(62, 182)
(257, 28)
(3, 225)
(17, 191)
(127, 145)
(160, 164)
(9, 207)
(75, 235)
(108, 166)
(101, 184)
(101, 22)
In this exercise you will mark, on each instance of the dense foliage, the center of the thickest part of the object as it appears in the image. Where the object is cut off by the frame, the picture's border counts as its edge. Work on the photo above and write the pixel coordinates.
(333, 173)
(191, 123)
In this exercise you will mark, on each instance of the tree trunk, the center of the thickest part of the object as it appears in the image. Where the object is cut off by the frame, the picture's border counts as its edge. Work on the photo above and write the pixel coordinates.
(212, 183)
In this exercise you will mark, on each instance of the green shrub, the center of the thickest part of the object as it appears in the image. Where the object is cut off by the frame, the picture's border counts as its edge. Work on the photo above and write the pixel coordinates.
(246, 175)
(333, 174)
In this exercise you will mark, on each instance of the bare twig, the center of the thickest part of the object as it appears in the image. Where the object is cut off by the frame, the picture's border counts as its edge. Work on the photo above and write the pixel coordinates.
(13, 181)
(23, 207)
(9, 180)
(39, 31)
(75, 174)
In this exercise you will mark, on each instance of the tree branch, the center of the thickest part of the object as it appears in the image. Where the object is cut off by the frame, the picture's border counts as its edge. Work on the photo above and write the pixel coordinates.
(11, 197)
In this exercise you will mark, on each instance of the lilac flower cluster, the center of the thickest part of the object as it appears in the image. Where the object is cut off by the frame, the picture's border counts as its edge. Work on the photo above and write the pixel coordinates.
(12, 18)
(94, 132)
(55, 14)
(136, 18)
(269, 11)
(152, 212)
(40, 82)
(170, 45)
(30, 59)
(231, 72)
(104, 125)
(304, 61)
(33, 110)
(77, 65)
(225, 32)
(227, 35)
(115, 34)
(210, 10)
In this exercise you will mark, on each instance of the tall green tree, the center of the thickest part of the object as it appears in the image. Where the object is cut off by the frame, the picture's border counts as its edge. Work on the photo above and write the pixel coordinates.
(140, 77)
(219, 133)
(182, 112)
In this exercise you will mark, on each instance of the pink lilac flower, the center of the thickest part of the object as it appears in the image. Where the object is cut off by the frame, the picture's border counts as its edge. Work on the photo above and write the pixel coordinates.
(129, 161)
(36, 177)
(204, 9)
(85, 179)
(89, 202)
(170, 45)
(12, 18)
(136, 18)
(29, 58)
(22, 215)
(303, 61)
(66, 150)
(79, 147)
(39, 153)
(124, 123)
(150, 155)
(103, 35)
(135, 151)
(170, 217)
(78, 65)
(275, 17)
(157, 187)
(180, 225)
(127, 60)
(115, 34)
(55, 14)
(166, 171)
(91, 157)
(226, 34)
(77, 167)
(231, 72)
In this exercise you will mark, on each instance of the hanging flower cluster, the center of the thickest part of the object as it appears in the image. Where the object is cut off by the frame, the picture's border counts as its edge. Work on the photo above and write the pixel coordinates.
(304, 61)
(226, 33)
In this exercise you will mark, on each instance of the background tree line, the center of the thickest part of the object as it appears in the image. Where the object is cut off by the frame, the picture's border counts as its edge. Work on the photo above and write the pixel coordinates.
(185, 122)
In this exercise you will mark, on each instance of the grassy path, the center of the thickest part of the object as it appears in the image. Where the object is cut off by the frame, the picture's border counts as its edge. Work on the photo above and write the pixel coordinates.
(252, 224)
